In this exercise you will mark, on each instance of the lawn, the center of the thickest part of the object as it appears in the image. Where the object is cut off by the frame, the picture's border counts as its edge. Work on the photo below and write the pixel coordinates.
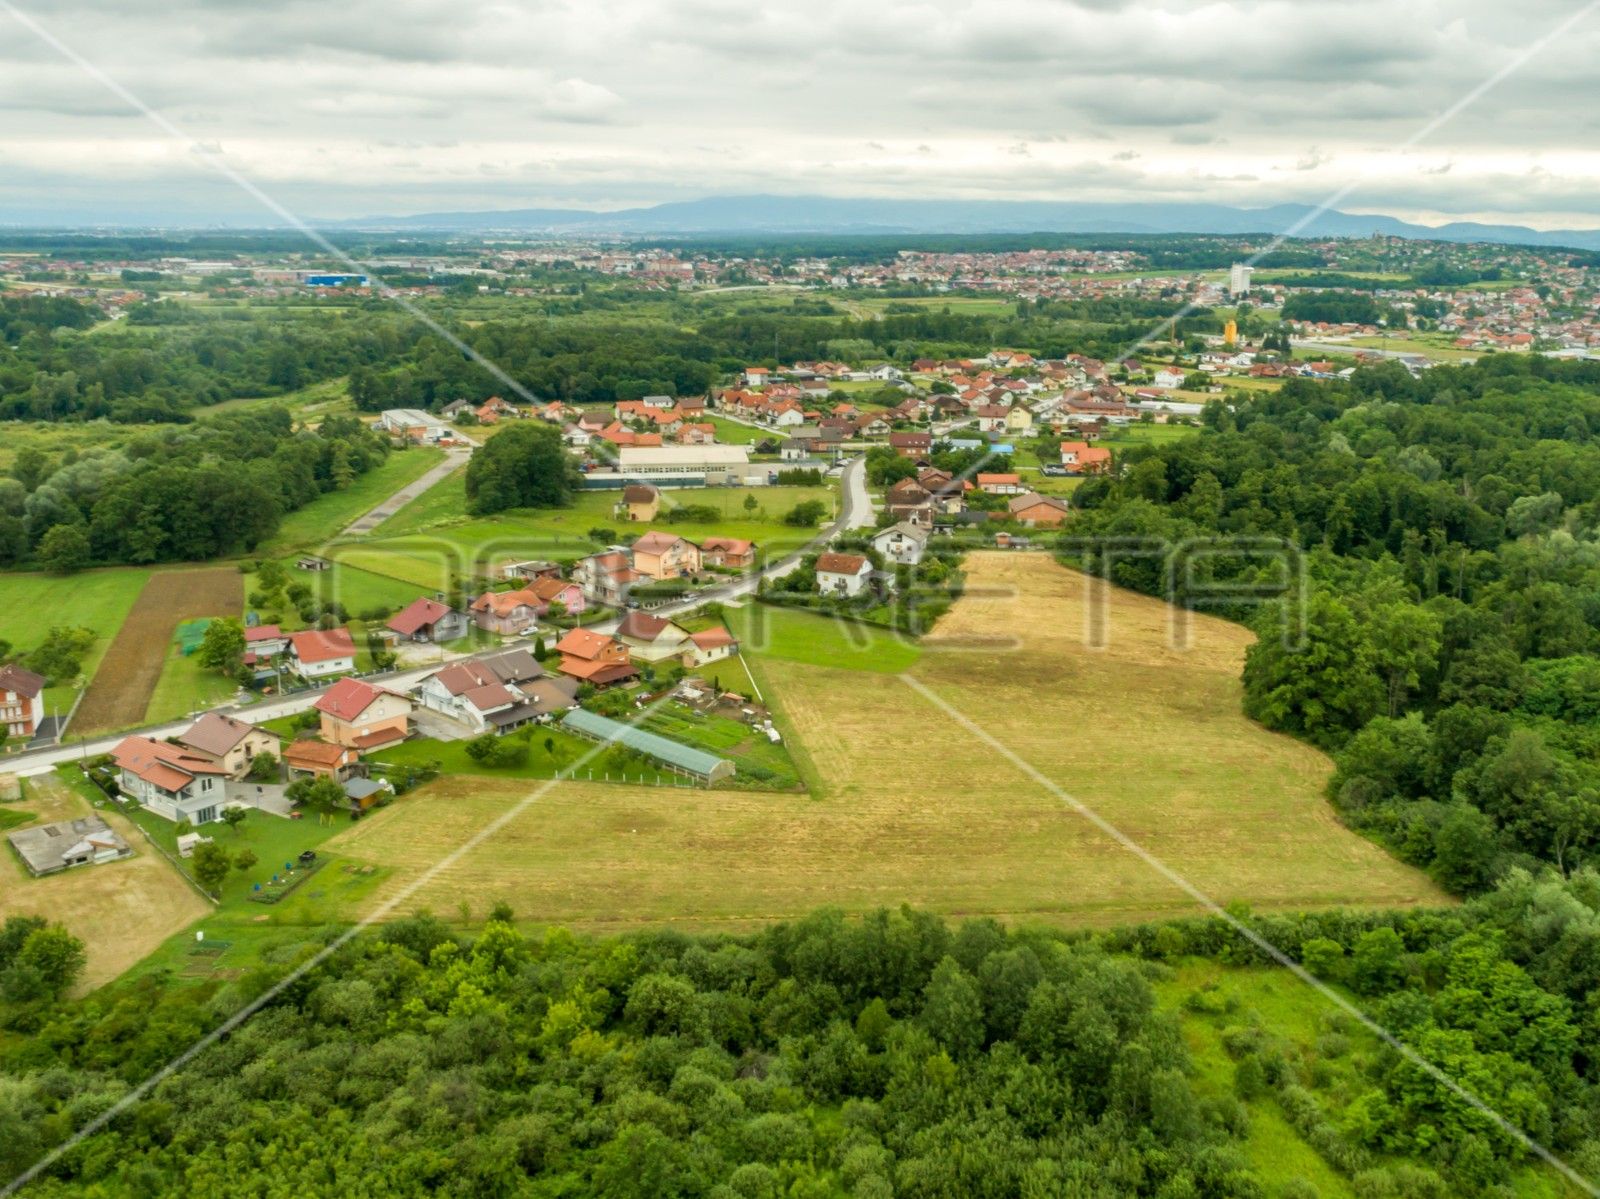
(95, 599)
(325, 517)
(358, 590)
(791, 635)
(452, 759)
(426, 548)
(185, 686)
(912, 807)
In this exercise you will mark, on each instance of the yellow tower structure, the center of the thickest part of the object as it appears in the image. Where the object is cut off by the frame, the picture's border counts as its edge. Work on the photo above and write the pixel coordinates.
(1230, 334)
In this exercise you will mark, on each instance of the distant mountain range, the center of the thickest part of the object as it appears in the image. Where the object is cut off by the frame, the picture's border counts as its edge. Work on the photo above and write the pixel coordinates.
(826, 215)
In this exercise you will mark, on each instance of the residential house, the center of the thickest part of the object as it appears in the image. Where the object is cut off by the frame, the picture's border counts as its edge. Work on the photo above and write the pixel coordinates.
(794, 449)
(51, 848)
(1034, 509)
(652, 638)
(360, 716)
(21, 701)
(498, 693)
(1018, 420)
(577, 437)
(1169, 376)
(911, 501)
(232, 744)
(842, 574)
(998, 484)
(318, 653)
(872, 424)
(558, 591)
(641, 501)
(728, 552)
(665, 555)
(314, 758)
(173, 782)
(606, 578)
(424, 619)
(262, 643)
(991, 418)
(1081, 458)
(596, 658)
(903, 543)
(911, 445)
(507, 612)
(527, 572)
(710, 645)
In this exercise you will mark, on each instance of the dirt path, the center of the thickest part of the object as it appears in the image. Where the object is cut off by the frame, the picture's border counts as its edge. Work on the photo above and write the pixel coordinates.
(121, 690)
(121, 910)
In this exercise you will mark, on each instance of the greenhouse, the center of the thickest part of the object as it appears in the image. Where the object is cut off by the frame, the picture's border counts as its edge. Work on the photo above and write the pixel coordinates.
(683, 759)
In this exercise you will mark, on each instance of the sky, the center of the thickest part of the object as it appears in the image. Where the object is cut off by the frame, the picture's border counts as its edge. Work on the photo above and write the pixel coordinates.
(376, 107)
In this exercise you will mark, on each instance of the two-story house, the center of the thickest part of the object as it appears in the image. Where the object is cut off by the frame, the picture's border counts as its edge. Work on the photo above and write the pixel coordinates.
(842, 574)
(363, 717)
(21, 701)
(498, 693)
(652, 638)
(728, 551)
(596, 658)
(665, 555)
(903, 543)
(232, 744)
(605, 578)
(173, 782)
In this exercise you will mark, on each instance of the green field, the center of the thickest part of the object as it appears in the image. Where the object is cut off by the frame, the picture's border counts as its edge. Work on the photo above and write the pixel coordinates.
(186, 686)
(451, 759)
(426, 543)
(327, 516)
(96, 599)
(797, 636)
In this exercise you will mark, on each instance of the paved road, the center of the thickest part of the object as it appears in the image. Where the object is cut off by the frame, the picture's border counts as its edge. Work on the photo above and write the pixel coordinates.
(855, 512)
(365, 524)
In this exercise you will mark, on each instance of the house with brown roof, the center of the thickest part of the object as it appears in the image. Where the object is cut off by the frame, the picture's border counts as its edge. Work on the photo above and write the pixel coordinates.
(641, 501)
(315, 758)
(842, 574)
(318, 653)
(911, 445)
(497, 693)
(1033, 509)
(665, 555)
(652, 638)
(596, 658)
(362, 717)
(173, 782)
(230, 743)
(710, 645)
(909, 500)
(727, 551)
(425, 619)
(507, 612)
(605, 578)
(21, 701)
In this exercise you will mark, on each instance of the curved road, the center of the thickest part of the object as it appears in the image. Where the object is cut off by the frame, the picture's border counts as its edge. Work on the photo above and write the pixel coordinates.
(855, 512)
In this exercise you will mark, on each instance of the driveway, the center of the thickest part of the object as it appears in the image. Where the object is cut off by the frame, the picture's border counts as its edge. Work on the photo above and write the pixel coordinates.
(453, 460)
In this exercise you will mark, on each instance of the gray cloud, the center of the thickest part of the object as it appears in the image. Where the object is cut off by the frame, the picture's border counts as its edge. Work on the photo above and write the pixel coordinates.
(408, 105)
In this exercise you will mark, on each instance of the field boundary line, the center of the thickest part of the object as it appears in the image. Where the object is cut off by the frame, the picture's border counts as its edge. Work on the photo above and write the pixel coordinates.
(1218, 911)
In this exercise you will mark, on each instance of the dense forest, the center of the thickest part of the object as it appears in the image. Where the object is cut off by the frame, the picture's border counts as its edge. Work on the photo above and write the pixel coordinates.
(1450, 623)
(890, 1055)
(178, 493)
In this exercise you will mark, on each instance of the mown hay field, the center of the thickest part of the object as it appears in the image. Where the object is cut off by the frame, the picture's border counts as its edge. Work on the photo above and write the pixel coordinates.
(122, 687)
(914, 807)
(121, 910)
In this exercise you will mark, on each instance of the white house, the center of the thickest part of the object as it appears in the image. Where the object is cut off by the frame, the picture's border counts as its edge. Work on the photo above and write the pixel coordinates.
(497, 693)
(171, 781)
(318, 653)
(903, 543)
(842, 574)
(1170, 376)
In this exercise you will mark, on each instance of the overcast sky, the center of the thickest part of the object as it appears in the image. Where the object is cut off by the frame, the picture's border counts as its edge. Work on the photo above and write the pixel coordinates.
(344, 108)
